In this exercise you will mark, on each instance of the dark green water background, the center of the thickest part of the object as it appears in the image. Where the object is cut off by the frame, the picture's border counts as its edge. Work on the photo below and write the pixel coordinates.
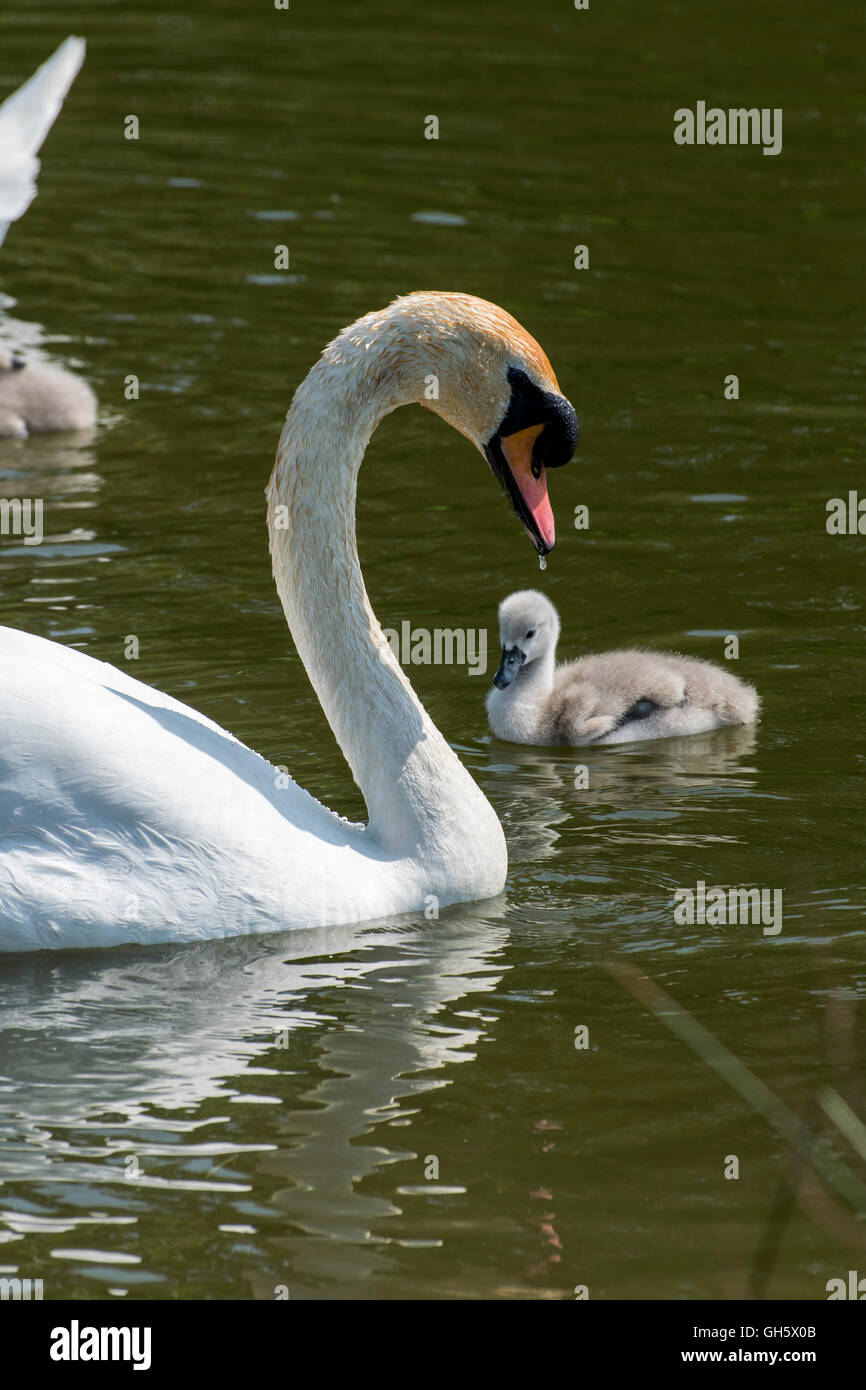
(304, 1165)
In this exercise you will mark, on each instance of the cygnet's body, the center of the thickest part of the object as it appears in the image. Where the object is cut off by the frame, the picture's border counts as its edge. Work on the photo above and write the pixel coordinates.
(38, 399)
(613, 697)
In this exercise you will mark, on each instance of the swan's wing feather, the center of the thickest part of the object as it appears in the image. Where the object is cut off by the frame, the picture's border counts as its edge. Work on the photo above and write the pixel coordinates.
(89, 729)
(127, 815)
(25, 119)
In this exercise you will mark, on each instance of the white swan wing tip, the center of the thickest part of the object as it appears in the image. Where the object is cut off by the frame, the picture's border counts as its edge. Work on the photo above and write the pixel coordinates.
(25, 119)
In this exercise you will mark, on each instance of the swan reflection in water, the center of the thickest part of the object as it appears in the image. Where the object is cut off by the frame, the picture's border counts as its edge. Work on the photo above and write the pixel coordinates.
(144, 1064)
(160, 1061)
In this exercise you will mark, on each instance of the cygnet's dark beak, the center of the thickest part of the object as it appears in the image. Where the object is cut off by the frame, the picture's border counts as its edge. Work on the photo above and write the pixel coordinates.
(512, 660)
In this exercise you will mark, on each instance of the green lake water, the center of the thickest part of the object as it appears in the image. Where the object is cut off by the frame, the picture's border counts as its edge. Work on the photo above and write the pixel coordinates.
(401, 1110)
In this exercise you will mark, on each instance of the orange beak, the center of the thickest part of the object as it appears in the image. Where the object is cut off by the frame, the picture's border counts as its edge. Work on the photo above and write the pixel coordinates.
(530, 479)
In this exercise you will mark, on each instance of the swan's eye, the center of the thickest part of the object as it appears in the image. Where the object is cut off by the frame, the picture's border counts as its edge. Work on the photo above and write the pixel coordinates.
(530, 633)
(641, 709)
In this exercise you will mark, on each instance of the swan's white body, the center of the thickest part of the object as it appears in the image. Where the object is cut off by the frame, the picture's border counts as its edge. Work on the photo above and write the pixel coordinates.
(126, 816)
(25, 119)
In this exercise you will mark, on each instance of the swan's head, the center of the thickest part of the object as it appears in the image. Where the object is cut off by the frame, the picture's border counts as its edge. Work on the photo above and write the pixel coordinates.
(465, 359)
(528, 630)
(475, 365)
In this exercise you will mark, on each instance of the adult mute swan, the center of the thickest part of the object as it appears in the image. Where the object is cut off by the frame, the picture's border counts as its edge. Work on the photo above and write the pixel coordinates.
(614, 697)
(25, 119)
(127, 816)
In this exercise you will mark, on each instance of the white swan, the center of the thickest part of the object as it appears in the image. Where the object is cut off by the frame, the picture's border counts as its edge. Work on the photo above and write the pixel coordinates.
(613, 697)
(25, 119)
(127, 816)
(38, 398)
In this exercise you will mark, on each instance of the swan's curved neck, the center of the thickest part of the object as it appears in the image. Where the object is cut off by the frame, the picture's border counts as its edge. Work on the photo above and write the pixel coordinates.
(421, 800)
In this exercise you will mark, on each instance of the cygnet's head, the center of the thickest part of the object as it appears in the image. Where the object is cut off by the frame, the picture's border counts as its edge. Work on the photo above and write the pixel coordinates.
(8, 361)
(528, 631)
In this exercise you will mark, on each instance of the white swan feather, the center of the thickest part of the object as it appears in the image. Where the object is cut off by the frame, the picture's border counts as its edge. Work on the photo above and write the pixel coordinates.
(25, 119)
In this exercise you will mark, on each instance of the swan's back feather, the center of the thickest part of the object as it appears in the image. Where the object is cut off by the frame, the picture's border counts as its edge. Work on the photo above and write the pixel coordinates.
(126, 815)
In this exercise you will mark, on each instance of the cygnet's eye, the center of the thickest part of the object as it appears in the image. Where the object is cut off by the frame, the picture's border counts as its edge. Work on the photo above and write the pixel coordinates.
(530, 633)
(641, 709)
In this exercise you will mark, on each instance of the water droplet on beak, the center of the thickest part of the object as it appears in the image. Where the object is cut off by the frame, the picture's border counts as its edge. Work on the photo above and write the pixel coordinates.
(542, 562)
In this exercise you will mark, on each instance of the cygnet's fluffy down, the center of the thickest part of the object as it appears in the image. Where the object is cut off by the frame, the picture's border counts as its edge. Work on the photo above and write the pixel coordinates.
(613, 697)
(40, 399)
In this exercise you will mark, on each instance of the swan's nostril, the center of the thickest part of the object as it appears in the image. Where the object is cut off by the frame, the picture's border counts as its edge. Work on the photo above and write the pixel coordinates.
(512, 660)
